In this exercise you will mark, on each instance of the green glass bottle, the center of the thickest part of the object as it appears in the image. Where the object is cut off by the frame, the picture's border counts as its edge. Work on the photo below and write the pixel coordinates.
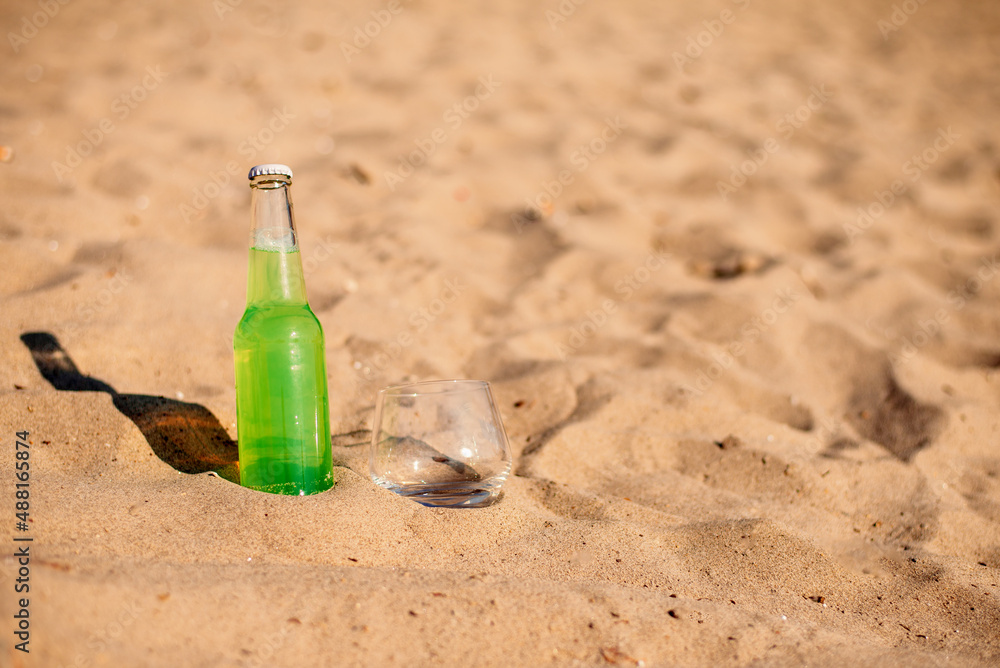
(282, 406)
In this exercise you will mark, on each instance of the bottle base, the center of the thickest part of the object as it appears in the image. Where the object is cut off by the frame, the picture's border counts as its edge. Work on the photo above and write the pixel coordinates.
(291, 488)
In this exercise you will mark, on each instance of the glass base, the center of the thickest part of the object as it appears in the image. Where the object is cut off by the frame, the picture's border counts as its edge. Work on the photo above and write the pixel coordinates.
(478, 494)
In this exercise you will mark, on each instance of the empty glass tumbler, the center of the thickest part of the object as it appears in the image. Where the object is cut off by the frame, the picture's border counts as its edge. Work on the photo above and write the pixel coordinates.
(440, 443)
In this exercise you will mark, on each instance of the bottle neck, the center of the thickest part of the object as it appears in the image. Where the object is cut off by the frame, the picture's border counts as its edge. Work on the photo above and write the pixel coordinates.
(275, 274)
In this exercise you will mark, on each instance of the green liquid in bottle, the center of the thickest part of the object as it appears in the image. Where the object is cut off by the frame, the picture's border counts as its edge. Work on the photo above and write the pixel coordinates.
(282, 406)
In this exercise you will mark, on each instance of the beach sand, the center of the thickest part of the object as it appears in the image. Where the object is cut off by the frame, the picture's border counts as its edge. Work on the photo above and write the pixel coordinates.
(731, 269)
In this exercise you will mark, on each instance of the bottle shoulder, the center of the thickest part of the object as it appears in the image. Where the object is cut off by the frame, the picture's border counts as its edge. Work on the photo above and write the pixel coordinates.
(278, 321)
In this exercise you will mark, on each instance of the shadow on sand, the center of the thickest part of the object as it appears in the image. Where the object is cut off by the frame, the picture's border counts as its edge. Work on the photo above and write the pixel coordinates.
(186, 436)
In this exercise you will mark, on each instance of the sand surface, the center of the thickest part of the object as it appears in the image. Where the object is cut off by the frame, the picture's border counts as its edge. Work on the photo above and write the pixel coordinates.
(731, 268)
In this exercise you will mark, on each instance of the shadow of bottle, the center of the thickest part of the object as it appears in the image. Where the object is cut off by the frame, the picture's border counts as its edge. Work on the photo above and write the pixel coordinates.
(184, 435)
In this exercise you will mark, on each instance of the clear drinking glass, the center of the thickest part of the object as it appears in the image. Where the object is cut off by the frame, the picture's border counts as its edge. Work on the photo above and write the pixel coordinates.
(440, 443)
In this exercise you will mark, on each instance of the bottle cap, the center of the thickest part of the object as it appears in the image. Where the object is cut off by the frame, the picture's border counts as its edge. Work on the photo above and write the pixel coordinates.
(270, 169)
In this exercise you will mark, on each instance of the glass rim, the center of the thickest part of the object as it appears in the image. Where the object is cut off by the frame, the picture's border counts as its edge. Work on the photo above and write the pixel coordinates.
(422, 387)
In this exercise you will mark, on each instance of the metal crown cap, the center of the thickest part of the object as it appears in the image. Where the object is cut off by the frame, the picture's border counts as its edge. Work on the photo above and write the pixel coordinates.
(270, 169)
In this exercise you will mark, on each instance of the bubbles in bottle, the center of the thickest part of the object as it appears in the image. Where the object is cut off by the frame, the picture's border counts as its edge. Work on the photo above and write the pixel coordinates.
(280, 240)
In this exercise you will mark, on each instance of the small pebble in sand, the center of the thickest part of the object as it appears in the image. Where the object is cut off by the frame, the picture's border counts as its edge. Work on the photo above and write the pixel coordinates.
(6, 153)
(731, 265)
(730, 442)
(356, 172)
